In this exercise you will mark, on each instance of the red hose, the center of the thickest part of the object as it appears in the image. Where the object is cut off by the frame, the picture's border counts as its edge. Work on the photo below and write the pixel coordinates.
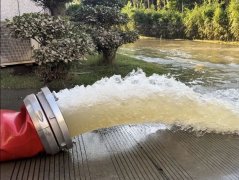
(18, 137)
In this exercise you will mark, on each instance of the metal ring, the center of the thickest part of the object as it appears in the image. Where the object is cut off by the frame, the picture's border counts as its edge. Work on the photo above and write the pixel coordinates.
(41, 124)
(48, 121)
(57, 121)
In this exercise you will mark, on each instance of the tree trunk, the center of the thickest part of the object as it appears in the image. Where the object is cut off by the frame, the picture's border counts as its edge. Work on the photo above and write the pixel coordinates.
(155, 3)
(146, 4)
(109, 56)
(160, 4)
(58, 10)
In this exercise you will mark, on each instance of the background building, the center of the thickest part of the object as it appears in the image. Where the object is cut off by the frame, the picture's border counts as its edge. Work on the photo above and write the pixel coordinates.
(16, 51)
(11, 8)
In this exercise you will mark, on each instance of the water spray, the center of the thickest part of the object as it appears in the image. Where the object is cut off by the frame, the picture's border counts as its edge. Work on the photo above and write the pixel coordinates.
(47, 121)
(39, 127)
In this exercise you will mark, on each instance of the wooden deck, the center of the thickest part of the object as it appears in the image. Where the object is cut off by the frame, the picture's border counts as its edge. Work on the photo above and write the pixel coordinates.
(136, 152)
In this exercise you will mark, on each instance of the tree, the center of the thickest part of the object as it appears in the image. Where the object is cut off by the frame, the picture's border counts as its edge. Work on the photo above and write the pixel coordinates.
(56, 7)
(220, 23)
(60, 42)
(233, 13)
(106, 24)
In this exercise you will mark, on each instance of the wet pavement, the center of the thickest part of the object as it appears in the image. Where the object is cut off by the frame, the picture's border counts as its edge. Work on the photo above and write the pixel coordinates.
(136, 152)
(13, 98)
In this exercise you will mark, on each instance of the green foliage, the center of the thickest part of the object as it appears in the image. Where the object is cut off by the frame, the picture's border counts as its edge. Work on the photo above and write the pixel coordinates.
(192, 21)
(129, 10)
(206, 28)
(52, 71)
(100, 15)
(93, 71)
(172, 5)
(176, 5)
(106, 24)
(197, 19)
(109, 3)
(60, 42)
(211, 21)
(164, 23)
(40, 27)
(233, 13)
(220, 24)
(64, 50)
(198, 22)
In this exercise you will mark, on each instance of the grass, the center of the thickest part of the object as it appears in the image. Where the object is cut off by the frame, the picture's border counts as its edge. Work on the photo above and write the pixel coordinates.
(85, 73)
(9, 80)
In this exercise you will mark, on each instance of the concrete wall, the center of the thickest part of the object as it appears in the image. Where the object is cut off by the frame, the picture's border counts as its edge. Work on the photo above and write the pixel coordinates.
(11, 8)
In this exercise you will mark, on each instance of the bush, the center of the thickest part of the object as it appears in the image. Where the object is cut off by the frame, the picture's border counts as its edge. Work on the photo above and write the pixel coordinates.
(220, 24)
(233, 13)
(60, 42)
(198, 22)
(51, 71)
(192, 20)
(213, 21)
(164, 23)
(106, 24)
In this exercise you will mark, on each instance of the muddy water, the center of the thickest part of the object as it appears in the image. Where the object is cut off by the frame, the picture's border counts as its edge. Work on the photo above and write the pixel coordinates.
(213, 66)
(200, 89)
(140, 99)
(187, 113)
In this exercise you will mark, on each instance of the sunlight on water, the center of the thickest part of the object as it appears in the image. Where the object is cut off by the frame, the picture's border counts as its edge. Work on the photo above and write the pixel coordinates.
(139, 99)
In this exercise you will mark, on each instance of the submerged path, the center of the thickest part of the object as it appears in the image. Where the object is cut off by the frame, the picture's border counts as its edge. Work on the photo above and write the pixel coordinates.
(135, 152)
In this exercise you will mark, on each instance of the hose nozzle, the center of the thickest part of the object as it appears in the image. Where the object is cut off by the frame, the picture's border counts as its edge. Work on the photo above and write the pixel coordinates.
(48, 121)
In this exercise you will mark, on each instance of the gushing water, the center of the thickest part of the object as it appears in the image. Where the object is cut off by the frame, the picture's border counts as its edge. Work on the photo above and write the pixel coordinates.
(140, 99)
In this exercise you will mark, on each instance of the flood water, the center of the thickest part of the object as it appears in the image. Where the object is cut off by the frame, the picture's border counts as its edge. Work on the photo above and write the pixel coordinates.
(199, 89)
(208, 64)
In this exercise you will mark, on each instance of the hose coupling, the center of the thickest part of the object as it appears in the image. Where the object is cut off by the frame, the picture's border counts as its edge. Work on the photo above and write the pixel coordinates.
(48, 121)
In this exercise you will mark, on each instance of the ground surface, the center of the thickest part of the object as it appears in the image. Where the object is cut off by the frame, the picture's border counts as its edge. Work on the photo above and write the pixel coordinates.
(130, 152)
(136, 152)
(81, 73)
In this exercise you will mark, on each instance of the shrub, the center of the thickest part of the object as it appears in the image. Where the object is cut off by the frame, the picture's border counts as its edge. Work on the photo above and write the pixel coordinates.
(220, 24)
(60, 42)
(106, 24)
(192, 20)
(213, 21)
(233, 13)
(163, 23)
(198, 19)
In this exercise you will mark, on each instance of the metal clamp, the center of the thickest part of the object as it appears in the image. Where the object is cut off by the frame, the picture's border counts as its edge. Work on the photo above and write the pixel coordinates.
(48, 121)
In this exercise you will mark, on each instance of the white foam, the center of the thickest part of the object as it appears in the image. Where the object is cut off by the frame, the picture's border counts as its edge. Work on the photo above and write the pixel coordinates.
(176, 103)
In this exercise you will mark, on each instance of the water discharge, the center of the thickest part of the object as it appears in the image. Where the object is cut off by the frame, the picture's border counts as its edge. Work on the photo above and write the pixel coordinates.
(139, 99)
